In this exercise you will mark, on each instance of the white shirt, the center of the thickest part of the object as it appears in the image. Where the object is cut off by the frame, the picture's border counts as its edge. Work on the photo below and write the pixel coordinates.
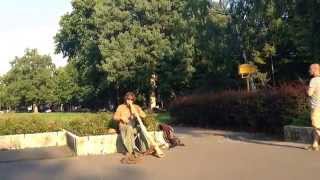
(314, 92)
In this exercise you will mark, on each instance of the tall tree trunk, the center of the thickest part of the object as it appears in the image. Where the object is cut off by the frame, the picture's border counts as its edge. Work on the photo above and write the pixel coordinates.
(152, 96)
(35, 108)
(61, 107)
(118, 95)
(272, 71)
(152, 100)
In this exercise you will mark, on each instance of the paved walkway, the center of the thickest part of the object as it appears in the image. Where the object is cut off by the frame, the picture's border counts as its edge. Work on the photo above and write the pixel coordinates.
(209, 155)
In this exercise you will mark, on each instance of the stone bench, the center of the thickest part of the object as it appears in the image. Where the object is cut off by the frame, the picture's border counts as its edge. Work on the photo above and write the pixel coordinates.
(36, 140)
(298, 134)
(103, 144)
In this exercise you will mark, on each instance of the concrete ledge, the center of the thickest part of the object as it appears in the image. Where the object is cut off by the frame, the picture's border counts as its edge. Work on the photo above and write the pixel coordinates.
(22, 141)
(298, 134)
(102, 144)
(82, 146)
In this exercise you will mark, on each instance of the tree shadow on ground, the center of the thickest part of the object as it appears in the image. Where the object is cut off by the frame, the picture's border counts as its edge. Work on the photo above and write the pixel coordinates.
(256, 138)
(30, 154)
(85, 168)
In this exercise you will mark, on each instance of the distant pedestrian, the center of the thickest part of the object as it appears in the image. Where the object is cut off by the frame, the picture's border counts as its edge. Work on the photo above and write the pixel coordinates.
(314, 93)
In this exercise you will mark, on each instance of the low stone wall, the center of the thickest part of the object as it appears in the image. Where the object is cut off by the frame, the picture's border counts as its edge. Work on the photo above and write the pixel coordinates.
(102, 144)
(298, 134)
(93, 145)
(22, 141)
(87, 145)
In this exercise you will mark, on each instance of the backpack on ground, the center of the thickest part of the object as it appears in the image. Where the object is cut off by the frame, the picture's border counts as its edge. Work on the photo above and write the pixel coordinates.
(169, 136)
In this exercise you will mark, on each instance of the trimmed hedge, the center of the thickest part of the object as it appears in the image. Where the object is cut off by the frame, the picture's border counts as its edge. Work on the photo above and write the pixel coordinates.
(151, 122)
(262, 111)
(82, 125)
(101, 123)
(27, 125)
(92, 125)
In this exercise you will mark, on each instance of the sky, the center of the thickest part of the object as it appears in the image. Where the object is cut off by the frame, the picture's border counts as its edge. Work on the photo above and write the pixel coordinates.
(30, 24)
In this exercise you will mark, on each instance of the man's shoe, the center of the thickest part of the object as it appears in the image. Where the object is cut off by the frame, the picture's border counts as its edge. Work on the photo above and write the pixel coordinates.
(137, 156)
(126, 160)
(149, 151)
(158, 155)
(130, 159)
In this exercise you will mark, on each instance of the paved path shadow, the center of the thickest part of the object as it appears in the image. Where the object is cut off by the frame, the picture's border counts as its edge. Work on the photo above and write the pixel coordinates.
(256, 138)
(8, 156)
(208, 155)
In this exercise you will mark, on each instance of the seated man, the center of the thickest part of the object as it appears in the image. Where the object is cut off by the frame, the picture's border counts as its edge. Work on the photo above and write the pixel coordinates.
(128, 125)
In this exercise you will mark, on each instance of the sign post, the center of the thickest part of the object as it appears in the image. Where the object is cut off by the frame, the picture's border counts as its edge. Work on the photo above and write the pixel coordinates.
(246, 71)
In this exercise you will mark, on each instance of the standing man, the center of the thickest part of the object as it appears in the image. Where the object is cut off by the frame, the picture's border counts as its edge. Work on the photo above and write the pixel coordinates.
(314, 93)
(128, 126)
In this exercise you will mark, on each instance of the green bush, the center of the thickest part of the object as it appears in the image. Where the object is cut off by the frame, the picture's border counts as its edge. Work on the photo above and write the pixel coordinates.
(264, 111)
(81, 124)
(302, 120)
(90, 125)
(27, 125)
(100, 124)
(163, 117)
(150, 122)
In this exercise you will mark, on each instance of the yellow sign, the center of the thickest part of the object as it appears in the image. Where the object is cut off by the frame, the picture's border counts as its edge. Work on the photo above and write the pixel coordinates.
(247, 69)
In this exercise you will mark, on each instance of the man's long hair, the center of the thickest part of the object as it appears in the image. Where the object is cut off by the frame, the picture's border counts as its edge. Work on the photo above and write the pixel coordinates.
(129, 94)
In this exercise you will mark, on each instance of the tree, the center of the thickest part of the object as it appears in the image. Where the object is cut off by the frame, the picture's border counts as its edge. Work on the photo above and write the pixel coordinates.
(68, 90)
(2, 93)
(78, 40)
(132, 41)
(120, 45)
(277, 35)
(31, 80)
